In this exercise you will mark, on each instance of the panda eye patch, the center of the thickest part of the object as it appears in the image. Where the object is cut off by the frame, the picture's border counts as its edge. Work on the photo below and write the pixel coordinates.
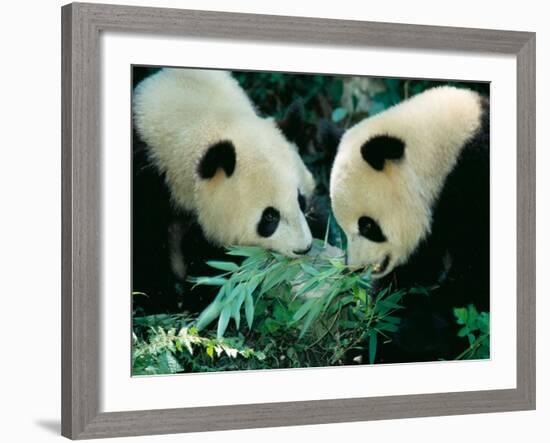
(302, 202)
(369, 229)
(269, 222)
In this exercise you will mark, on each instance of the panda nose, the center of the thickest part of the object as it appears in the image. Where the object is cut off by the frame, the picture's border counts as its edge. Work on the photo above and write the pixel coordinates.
(303, 251)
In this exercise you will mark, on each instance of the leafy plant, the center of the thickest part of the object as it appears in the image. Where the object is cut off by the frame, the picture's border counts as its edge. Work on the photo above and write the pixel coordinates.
(301, 312)
(321, 294)
(162, 351)
(475, 327)
(263, 271)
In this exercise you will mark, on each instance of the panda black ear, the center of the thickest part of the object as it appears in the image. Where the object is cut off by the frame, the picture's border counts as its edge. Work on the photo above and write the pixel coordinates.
(381, 148)
(292, 124)
(220, 155)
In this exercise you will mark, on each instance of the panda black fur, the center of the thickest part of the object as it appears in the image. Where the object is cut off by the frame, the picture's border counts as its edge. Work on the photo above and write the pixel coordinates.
(410, 187)
(206, 171)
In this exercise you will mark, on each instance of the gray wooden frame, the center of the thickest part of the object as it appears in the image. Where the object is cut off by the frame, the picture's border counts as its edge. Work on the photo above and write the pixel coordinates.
(81, 166)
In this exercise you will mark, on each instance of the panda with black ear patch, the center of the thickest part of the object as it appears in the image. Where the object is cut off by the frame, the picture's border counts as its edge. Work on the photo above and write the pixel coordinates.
(410, 188)
(208, 173)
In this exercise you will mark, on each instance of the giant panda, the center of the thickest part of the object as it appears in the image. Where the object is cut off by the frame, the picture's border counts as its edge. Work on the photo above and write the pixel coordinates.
(209, 172)
(410, 189)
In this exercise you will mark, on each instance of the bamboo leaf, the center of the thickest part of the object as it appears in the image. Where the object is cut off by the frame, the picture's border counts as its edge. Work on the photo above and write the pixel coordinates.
(223, 321)
(373, 341)
(309, 286)
(207, 316)
(392, 320)
(246, 251)
(311, 315)
(209, 281)
(303, 309)
(223, 265)
(249, 309)
(308, 269)
(338, 114)
(387, 327)
(236, 306)
(274, 277)
(253, 283)
(389, 305)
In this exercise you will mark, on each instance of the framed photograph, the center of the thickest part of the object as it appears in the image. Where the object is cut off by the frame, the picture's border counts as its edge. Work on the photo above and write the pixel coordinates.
(274, 221)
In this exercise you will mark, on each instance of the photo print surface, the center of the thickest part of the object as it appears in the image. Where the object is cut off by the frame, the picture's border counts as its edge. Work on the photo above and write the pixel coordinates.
(302, 220)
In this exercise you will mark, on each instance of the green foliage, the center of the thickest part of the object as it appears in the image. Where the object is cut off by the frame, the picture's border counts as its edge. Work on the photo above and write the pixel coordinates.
(164, 351)
(338, 114)
(273, 312)
(273, 92)
(324, 280)
(276, 312)
(475, 327)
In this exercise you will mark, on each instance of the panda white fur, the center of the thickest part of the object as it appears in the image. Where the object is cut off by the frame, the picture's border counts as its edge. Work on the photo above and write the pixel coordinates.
(410, 188)
(231, 172)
